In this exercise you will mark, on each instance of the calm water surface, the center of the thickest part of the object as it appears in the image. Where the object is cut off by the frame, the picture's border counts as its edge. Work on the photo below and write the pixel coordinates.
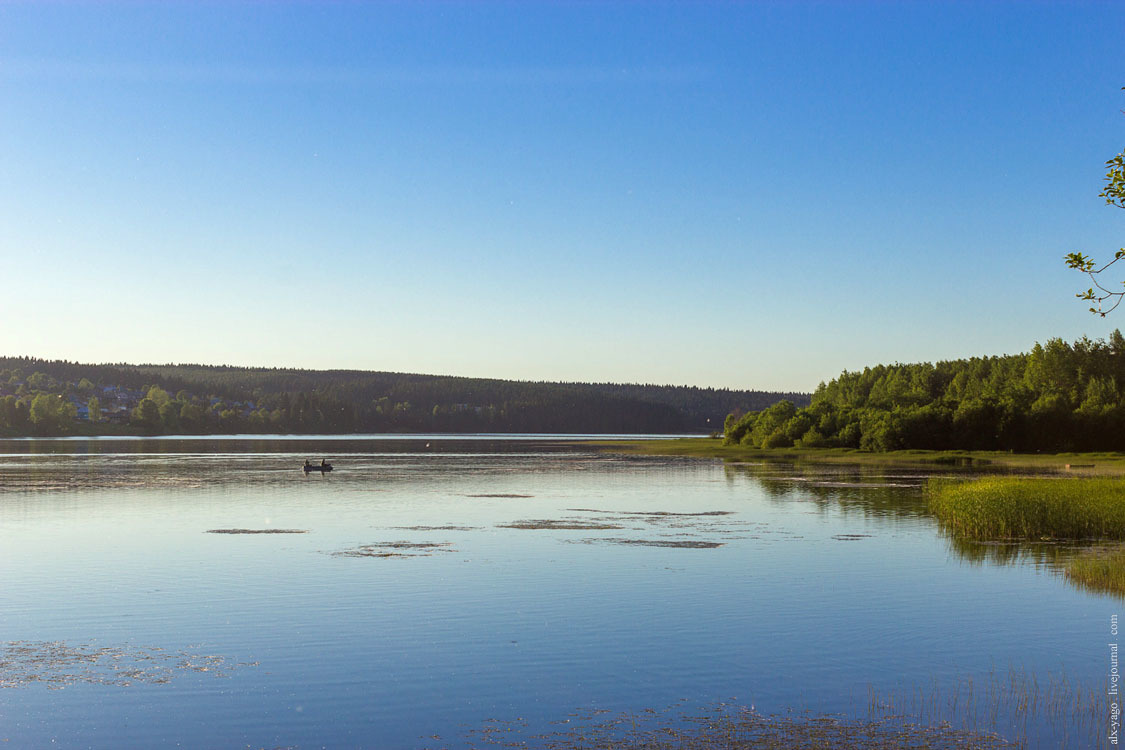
(434, 590)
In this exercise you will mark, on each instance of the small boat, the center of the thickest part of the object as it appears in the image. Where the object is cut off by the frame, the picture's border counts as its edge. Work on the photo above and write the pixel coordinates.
(321, 467)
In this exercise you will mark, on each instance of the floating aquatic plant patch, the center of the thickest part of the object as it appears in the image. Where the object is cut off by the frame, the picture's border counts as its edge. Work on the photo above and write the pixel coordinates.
(396, 549)
(559, 525)
(501, 494)
(57, 664)
(257, 531)
(434, 528)
(655, 513)
(672, 543)
(734, 728)
(1012, 709)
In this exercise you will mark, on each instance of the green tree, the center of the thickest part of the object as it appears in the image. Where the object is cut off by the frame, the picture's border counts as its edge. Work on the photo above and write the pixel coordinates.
(10, 416)
(170, 414)
(159, 396)
(95, 409)
(1101, 395)
(1114, 194)
(51, 413)
(192, 415)
(39, 381)
(147, 415)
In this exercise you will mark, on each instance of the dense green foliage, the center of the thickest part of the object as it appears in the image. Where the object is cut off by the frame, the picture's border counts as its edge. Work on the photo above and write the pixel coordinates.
(1030, 508)
(1058, 397)
(201, 399)
(49, 413)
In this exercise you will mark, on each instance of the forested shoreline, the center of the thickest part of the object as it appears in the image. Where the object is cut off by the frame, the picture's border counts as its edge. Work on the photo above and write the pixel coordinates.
(57, 397)
(1057, 397)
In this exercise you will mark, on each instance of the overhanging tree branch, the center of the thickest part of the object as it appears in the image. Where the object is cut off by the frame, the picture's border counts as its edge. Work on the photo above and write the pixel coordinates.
(1114, 194)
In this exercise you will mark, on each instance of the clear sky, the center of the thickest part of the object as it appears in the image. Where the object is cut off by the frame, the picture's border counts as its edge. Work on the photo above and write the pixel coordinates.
(752, 195)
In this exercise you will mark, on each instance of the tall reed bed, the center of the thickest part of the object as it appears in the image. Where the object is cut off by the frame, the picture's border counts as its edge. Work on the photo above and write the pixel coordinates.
(1026, 508)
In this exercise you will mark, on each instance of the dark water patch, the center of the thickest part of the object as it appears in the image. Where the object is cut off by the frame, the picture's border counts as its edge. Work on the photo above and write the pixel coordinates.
(396, 549)
(501, 494)
(257, 531)
(558, 525)
(58, 664)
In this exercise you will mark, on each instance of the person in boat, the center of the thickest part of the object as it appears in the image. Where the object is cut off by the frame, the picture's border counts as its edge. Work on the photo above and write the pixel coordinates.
(307, 464)
(323, 463)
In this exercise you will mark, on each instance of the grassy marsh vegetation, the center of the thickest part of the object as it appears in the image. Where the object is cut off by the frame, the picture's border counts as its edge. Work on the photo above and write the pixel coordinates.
(1030, 508)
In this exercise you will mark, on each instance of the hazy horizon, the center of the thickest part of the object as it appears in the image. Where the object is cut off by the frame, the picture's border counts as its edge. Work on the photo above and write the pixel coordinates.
(397, 372)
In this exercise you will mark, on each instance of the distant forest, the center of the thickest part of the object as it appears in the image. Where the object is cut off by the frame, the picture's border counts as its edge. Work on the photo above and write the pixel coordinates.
(60, 397)
(1058, 397)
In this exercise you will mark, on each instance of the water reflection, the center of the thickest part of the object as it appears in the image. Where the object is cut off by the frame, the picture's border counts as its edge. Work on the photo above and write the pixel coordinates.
(897, 494)
(875, 491)
(295, 444)
(55, 465)
(431, 588)
(1049, 554)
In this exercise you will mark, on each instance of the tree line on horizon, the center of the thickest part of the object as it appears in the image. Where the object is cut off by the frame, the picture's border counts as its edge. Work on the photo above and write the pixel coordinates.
(50, 397)
(1057, 397)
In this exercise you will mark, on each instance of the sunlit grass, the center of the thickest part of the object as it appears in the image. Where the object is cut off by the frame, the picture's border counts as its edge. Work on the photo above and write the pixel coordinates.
(1030, 508)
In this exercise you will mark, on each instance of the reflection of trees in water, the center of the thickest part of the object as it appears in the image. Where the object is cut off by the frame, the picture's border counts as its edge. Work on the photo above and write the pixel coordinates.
(1051, 554)
(1054, 555)
(874, 491)
(93, 472)
(895, 493)
(877, 491)
(63, 465)
(268, 444)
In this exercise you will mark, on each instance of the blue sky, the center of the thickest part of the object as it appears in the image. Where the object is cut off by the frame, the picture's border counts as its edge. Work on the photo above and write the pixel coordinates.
(752, 195)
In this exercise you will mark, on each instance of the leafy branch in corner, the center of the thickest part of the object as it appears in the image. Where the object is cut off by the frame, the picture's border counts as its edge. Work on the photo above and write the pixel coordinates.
(1114, 194)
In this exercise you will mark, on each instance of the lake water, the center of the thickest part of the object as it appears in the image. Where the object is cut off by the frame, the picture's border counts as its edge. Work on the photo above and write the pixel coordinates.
(441, 586)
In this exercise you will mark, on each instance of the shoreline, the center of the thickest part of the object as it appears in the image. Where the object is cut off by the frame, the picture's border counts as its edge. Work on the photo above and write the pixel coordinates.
(1084, 464)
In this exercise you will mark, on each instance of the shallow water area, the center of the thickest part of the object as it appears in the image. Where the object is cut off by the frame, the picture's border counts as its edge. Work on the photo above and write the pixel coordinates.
(429, 586)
